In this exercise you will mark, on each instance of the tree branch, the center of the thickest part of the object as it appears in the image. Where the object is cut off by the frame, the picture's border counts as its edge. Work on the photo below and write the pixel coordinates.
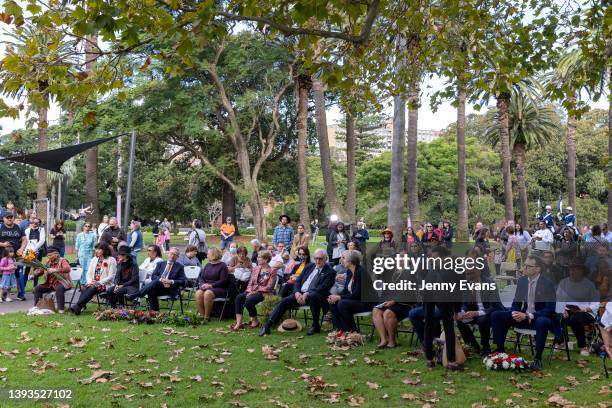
(360, 39)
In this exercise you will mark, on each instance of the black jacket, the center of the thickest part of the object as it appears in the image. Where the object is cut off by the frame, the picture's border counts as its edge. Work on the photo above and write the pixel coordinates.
(177, 274)
(131, 279)
(489, 298)
(321, 285)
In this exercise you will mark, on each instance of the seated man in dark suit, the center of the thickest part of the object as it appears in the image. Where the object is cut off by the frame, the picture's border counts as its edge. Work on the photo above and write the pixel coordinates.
(311, 288)
(533, 308)
(167, 279)
(477, 308)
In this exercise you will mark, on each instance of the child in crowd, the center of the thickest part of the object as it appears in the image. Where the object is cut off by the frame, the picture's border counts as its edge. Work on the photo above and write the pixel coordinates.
(7, 268)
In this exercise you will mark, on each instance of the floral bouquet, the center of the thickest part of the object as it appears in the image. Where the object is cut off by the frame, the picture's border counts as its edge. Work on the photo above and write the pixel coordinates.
(502, 361)
(30, 260)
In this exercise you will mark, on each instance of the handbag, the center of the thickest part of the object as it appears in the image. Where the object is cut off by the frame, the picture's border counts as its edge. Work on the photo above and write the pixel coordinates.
(47, 302)
(459, 353)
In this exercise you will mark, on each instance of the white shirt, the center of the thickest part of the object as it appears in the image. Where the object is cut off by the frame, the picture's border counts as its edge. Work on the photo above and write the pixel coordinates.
(101, 229)
(545, 234)
(311, 277)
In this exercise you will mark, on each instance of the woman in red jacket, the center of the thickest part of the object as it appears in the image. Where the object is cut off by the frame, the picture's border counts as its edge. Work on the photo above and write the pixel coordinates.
(263, 279)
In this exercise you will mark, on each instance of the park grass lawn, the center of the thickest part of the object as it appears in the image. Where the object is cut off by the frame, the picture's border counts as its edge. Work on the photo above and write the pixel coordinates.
(189, 367)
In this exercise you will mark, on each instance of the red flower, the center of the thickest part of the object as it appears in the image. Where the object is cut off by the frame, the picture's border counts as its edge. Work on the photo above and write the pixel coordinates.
(105, 264)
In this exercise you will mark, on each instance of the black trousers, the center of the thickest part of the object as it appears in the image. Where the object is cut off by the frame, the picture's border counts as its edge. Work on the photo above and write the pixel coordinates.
(484, 327)
(446, 315)
(343, 310)
(315, 301)
(577, 321)
(286, 289)
(87, 293)
(249, 301)
(113, 297)
(40, 290)
(154, 289)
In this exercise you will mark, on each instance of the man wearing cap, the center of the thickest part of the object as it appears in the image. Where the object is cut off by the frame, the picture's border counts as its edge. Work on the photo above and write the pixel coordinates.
(547, 217)
(283, 232)
(55, 264)
(167, 279)
(12, 235)
(113, 234)
(311, 288)
(227, 231)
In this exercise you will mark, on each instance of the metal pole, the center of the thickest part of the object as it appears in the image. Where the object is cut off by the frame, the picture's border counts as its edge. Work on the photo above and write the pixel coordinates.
(119, 179)
(128, 193)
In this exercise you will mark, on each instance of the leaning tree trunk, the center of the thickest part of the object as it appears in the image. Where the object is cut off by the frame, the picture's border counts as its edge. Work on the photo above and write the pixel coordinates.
(329, 184)
(351, 192)
(412, 139)
(302, 129)
(259, 217)
(462, 198)
(570, 142)
(519, 154)
(396, 186)
(503, 103)
(91, 161)
(41, 188)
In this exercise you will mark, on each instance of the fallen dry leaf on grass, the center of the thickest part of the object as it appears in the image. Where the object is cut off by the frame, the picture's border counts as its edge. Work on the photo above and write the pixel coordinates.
(196, 378)
(372, 386)
(411, 381)
(355, 401)
(97, 376)
(557, 400)
(118, 387)
(79, 342)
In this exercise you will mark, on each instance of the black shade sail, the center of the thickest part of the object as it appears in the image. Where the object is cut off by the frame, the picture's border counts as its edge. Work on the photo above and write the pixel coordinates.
(54, 159)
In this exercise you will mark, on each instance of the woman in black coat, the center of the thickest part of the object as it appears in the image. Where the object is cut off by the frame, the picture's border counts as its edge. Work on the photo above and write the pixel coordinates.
(126, 278)
(348, 302)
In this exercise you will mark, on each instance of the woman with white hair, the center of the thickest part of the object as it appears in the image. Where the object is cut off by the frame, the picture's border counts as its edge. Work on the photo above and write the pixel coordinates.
(348, 302)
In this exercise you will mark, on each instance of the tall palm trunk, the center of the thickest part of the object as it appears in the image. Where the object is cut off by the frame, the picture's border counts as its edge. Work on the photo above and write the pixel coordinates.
(351, 193)
(41, 188)
(570, 142)
(503, 103)
(302, 129)
(519, 154)
(413, 190)
(396, 186)
(462, 198)
(329, 184)
(91, 161)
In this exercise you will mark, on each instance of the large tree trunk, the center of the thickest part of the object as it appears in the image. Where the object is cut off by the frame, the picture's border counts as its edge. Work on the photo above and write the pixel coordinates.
(462, 198)
(503, 103)
(302, 129)
(259, 218)
(91, 161)
(41, 188)
(351, 193)
(519, 154)
(228, 204)
(412, 138)
(329, 184)
(396, 186)
(570, 142)
(119, 191)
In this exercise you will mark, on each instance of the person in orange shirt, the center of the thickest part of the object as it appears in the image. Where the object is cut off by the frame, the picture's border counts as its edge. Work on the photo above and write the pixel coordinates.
(228, 230)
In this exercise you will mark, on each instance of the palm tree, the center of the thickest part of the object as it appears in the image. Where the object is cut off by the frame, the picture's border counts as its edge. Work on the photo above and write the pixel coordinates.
(562, 84)
(26, 75)
(411, 140)
(528, 125)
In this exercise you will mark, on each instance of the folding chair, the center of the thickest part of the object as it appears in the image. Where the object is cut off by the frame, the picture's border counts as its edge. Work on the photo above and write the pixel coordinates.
(506, 295)
(191, 273)
(171, 299)
(305, 309)
(75, 276)
(224, 300)
(411, 331)
(358, 317)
